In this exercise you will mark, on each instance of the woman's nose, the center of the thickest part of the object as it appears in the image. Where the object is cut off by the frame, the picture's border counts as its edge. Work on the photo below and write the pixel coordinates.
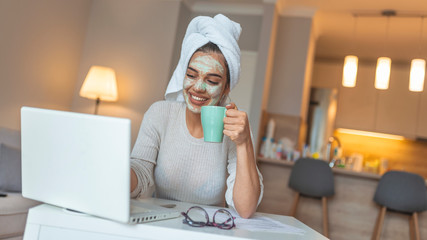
(200, 85)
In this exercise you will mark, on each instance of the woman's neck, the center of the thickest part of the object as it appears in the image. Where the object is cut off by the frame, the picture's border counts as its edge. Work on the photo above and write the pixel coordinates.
(194, 123)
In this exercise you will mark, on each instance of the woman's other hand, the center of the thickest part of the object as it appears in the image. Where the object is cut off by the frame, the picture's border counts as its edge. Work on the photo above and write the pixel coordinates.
(236, 125)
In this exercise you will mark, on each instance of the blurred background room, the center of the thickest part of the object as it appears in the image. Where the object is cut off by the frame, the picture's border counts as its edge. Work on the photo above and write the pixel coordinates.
(291, 86)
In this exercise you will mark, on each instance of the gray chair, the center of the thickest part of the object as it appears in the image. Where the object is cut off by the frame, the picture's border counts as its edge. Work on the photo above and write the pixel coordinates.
(402, 192)
(312, 178)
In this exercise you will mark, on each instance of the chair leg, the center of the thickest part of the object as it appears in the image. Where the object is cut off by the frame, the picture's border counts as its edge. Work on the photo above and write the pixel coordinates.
(325, 217)
(411, 227)
(414, 227)
(294, 205)
(379, 224)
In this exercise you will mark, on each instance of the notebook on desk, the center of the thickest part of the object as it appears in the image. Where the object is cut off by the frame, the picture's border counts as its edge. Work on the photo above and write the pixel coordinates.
(81, 162)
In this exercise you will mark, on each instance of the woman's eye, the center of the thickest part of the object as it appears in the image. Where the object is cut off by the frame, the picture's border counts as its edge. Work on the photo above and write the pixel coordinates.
(213, 82)
(190, 75)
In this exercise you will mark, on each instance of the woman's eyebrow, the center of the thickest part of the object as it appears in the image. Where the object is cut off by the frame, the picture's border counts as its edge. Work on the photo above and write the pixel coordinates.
(209, 74)
(214, 75)
(192, 69)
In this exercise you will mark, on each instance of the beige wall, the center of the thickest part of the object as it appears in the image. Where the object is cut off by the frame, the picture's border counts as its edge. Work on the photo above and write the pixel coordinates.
(288, 93)
(136, 39)
(264, 69)
(40, 50)
(48, 46)
(251, 28)
(183, 21)
(327, 73)
(291, 56)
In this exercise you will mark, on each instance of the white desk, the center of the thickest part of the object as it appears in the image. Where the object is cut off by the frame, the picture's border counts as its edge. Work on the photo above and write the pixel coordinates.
(47, 222)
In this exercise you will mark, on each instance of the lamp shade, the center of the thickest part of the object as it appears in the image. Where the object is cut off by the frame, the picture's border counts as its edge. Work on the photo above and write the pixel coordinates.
(350, 71)
(100, 83)
(417, 74)
(382, 75)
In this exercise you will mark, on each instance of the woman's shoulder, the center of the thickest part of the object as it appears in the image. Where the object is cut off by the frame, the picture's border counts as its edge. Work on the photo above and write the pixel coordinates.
(166, 105)
(165, 108)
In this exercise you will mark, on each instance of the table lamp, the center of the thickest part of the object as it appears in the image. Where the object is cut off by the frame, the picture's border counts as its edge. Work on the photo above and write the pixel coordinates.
(100, 84)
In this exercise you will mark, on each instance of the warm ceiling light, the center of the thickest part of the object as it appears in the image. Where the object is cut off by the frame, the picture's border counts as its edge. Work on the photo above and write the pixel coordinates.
(418, 67)
(350, 71)
(416, 77)
(370, 134)
(349, 74)
(382, 75)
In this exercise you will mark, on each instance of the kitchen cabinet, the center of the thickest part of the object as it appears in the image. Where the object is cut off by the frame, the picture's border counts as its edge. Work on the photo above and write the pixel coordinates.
(393, 111)
(397, 106)
(356, 106)
(422, 114)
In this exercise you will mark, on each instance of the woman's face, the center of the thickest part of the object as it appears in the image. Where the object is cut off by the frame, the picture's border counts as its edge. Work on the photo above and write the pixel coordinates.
(205, 81)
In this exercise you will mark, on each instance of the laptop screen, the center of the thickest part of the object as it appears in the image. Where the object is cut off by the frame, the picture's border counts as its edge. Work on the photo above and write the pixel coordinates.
(77, 161)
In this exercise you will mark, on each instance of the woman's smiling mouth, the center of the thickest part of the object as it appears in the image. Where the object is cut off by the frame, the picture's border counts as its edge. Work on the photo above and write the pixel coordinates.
(197, 100)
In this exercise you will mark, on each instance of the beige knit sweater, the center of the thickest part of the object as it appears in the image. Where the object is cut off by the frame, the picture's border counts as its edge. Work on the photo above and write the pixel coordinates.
(179, 166)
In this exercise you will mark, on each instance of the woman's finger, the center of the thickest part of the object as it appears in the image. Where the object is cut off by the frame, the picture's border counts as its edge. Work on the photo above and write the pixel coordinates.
(234, 120)
(231, 134)
(233, 127)
(235, 113)
(231, 105)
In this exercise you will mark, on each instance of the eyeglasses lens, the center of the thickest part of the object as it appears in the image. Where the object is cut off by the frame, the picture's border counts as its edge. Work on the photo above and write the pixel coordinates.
(197, 217)
(223, 219)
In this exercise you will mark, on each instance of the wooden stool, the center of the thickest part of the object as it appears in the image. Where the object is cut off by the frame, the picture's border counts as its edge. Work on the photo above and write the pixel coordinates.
(403, 192)
(312, 178)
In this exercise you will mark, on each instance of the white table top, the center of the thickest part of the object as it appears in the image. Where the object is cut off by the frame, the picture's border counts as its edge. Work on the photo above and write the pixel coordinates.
(47, 216)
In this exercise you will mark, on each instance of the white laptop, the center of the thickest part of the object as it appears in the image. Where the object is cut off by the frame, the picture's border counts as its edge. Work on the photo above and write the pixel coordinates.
(81, 162)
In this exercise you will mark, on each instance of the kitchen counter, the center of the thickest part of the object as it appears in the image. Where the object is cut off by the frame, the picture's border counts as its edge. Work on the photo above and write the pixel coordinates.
(342, 171)
(339, 171)
(352, 211)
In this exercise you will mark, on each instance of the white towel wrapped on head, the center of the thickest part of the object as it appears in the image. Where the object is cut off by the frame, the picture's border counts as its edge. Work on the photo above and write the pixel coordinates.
(219, 30)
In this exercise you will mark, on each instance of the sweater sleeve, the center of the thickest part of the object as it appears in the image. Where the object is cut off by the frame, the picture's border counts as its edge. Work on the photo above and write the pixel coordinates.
(231, 168)
(144, 154)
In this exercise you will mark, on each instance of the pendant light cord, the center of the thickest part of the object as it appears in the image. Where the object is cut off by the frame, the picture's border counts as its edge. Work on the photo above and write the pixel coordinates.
(420, 45)
(354, 42)
(386, 36)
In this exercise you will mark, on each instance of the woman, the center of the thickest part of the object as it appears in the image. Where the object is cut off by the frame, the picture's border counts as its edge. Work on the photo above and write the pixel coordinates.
(170, 153)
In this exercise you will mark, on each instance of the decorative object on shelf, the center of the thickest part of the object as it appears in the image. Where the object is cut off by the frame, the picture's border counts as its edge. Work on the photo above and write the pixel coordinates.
(418, 66)
(349, 75)
(382, 73)
(268, 147)
(100, 84)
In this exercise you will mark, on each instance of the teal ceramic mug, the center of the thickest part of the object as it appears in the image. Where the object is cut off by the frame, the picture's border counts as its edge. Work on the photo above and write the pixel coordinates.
(213, 123)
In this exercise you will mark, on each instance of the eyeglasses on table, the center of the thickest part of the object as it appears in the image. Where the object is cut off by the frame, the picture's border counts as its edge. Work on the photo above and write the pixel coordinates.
(198, 217)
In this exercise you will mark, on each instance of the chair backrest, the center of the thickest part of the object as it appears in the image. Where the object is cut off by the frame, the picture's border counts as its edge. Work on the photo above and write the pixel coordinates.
(402, 191)
(312, 178)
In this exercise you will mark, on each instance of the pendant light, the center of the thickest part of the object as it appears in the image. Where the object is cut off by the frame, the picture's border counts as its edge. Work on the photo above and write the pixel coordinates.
(382, 73)
(418, 66)
(350, 64)
(350, 71)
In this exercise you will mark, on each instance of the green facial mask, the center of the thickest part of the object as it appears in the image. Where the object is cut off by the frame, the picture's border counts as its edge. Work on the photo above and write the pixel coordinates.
(204, 64)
